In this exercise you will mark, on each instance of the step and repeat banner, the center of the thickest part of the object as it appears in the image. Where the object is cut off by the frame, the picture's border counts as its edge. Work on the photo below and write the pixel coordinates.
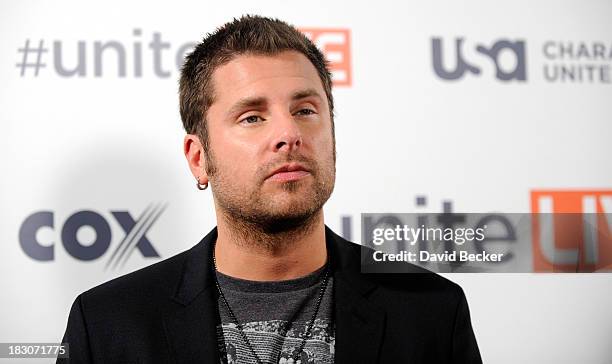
(501, 110)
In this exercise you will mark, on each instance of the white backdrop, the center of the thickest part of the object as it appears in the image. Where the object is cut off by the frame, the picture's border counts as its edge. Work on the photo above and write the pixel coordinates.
(110, 140)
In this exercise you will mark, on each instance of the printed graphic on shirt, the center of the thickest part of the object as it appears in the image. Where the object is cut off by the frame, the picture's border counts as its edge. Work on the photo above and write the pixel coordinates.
(267, 340)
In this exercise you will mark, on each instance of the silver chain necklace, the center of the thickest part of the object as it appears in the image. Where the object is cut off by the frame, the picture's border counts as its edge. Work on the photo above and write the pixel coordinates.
(295, 354)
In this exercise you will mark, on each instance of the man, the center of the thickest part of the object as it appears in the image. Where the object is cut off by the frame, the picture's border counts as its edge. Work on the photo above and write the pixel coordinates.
(271, 283)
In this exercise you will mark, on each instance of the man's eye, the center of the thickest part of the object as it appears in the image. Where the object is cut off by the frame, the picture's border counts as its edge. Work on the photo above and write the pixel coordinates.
(306, 112)
(251, 119)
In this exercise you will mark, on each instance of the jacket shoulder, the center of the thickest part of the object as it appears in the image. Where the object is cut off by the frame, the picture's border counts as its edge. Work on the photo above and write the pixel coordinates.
(403, 277)
(147, 284)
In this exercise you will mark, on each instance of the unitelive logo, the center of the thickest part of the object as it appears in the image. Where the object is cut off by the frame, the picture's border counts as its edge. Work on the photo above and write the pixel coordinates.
(492, 53)
(85, 248)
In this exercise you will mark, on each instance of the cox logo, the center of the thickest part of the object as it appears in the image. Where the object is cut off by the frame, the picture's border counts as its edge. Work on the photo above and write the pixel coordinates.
(135, 238)
(493, 53)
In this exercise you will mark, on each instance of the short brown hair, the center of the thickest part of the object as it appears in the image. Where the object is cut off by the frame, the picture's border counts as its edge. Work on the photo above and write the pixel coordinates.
(247, 35)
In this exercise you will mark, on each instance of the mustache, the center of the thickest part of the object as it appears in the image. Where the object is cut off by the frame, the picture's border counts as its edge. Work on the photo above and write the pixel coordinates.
(264, 171)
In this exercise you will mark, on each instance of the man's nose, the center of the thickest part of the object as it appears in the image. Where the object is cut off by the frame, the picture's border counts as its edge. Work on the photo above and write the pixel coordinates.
(287, 134)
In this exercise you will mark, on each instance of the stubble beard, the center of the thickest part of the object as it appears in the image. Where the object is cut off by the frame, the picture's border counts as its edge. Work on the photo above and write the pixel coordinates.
(255, 218)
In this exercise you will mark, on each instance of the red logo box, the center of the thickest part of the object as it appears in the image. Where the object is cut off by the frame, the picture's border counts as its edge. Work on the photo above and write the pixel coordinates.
(571, 230)
(335, 43)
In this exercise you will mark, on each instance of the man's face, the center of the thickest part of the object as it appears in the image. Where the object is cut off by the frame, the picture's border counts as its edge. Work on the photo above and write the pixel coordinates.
(270, 134)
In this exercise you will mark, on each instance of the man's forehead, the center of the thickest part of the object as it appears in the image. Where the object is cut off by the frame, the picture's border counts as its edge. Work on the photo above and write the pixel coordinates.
(248, 73)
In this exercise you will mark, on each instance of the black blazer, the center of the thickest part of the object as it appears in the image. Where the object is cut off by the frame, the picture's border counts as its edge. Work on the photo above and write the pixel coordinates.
(167, 313)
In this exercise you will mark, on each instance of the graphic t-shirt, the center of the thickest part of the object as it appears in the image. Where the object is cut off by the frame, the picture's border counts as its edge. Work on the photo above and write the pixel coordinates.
(266, 310)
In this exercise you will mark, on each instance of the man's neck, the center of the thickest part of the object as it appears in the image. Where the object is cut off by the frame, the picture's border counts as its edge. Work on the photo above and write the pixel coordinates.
(254, 255)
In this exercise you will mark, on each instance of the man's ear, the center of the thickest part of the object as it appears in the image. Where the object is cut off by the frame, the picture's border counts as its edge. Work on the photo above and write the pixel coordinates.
(194, 153)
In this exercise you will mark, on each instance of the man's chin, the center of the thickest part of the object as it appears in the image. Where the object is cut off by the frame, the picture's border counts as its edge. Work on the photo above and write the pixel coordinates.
(290, 187)
(291, 210)
(282, 222)
(287, 212)
(288, 202)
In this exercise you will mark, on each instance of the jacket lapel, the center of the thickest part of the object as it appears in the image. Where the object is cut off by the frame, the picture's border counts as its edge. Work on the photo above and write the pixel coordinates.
(359, 323)
(191, 329)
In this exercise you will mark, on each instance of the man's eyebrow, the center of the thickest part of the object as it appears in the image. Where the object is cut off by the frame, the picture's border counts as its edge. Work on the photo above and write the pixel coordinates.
(302, 94)
(247, 102)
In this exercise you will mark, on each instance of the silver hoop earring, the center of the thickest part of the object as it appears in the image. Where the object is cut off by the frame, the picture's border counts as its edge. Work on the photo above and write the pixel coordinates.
(200, 186)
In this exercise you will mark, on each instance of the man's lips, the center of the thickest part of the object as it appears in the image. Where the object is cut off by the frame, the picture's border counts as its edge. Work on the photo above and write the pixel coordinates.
(289, 172)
